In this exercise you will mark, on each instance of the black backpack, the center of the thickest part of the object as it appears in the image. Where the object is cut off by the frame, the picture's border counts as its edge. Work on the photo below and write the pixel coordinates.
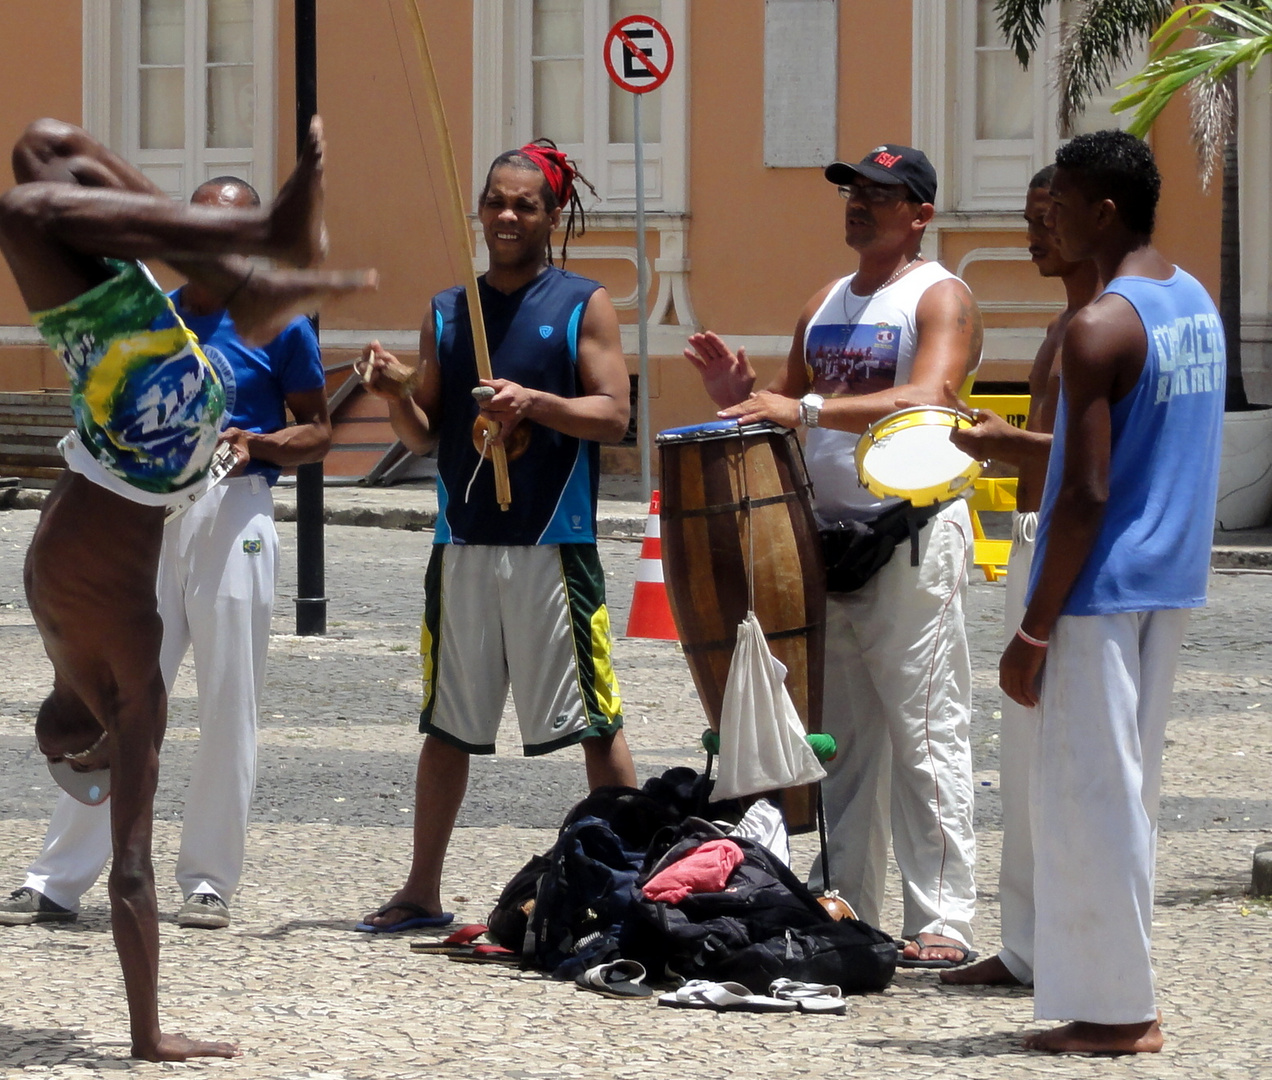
(562, 910)
(764, 925)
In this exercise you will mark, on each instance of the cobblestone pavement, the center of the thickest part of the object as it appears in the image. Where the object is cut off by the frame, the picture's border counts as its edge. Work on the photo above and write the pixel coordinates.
(308, 998)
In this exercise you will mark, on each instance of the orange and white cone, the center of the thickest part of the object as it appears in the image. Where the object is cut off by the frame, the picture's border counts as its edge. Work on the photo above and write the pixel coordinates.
(650, 616)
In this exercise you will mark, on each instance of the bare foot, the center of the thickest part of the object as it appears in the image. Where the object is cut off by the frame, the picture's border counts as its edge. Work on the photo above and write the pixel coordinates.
(179, 1048)
(990, 972)
(297, 233)
(272, 298)
(1081, 1037)
(924, 948)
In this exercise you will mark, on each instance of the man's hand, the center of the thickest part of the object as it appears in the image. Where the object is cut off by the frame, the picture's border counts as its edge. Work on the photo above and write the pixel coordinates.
(990, 436)
(383, 374)
(1019, 671)
(510, 404)
(727, 377)
(236, 440)
(775, 408)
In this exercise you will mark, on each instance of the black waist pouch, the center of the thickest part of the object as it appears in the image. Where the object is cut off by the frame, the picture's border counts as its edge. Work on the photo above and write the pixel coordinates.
(855, 551)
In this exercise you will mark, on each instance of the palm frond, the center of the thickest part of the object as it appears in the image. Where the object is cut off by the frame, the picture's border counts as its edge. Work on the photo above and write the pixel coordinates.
(1231, 34)
(1022, 23)
(1103, 36)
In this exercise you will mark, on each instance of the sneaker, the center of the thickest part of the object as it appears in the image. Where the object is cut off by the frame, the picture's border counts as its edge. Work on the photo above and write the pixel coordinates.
(25, 906)
(204, 911)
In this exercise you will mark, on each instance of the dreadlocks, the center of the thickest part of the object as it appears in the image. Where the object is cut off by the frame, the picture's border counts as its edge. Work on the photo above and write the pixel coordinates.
(559, 176)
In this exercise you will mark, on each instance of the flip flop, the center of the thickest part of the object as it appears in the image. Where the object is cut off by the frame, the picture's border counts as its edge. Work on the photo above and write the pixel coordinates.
(617, 979)
(810, 997)
(418, 918)
(488, 954)
(913, 962)
(461, 941)
(724, 996)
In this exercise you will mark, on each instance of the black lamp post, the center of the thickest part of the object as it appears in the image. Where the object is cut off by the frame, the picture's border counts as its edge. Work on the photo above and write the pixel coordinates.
(311, 601)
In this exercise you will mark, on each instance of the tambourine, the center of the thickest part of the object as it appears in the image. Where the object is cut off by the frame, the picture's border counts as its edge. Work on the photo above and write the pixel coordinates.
(908, 454)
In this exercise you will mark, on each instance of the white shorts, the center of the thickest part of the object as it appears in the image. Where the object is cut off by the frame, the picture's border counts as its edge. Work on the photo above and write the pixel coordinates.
(79, 460)
(533, 618)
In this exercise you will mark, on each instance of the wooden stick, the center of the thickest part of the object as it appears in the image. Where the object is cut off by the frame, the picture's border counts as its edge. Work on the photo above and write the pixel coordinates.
(503, 490)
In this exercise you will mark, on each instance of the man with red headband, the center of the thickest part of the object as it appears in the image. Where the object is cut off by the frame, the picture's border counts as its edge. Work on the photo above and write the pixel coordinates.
(517, 597)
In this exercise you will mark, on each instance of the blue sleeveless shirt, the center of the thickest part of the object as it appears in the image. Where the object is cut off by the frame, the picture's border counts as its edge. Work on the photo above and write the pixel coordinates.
(1153, 548)
(533, 336)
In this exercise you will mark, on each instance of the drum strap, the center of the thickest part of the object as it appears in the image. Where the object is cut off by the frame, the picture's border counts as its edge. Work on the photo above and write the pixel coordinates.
(744, 504)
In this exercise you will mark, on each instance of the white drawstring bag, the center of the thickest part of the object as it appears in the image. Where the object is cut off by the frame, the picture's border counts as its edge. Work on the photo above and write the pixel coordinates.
(762, 746)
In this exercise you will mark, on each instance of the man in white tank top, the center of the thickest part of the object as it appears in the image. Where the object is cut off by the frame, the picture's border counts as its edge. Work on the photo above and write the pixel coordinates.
(898, 672)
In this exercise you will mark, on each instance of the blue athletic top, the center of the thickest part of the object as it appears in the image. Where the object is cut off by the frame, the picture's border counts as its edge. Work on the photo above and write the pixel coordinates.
(533, 335)
(1153, 548)
(257, 381)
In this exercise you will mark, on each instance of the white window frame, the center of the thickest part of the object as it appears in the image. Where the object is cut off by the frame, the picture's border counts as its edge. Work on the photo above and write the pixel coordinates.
(111, 98)
(980, 175)
(503, 106)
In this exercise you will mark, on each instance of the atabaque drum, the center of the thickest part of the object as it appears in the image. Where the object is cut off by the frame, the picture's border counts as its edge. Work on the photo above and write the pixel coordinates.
(738, 532)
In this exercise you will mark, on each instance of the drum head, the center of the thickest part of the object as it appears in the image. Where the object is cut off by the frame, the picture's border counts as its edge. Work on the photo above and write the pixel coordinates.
(908, 454)
(716, 429)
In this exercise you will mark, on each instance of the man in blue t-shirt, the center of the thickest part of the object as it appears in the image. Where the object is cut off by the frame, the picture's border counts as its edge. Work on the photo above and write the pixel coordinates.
(517, 597)
(1123, 551)
(216, 593)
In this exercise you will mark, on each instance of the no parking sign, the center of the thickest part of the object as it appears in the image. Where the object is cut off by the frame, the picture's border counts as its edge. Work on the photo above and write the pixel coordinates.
(638, 57)
(638, 54)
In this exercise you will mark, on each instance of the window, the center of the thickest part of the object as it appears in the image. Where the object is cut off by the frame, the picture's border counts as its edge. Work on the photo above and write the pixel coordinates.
(988, 124)
(552, 82)
(189, 92)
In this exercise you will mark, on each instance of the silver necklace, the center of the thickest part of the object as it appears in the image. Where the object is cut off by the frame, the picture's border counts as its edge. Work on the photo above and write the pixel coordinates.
(896, 274)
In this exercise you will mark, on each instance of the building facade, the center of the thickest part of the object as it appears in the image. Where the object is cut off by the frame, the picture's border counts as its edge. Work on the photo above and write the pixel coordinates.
(741, 227)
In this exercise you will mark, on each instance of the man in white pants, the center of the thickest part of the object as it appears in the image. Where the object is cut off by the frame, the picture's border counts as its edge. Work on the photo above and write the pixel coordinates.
(898, 669)
(1028, 449)
(216, 594)
(1123, 551)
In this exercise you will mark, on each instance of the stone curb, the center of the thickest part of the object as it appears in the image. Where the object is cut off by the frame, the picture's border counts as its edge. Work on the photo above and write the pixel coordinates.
(616, 526)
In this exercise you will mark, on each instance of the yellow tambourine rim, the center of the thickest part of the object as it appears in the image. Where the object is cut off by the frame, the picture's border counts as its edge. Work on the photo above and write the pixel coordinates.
(948, 478)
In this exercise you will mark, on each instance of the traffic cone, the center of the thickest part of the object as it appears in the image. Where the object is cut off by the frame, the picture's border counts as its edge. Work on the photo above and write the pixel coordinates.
(650, 616)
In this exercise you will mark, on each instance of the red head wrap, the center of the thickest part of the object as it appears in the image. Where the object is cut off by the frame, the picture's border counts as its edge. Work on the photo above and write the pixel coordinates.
(556, 167)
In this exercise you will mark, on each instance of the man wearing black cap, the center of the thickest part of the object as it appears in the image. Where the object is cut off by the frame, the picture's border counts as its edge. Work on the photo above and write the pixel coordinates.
(898, 672)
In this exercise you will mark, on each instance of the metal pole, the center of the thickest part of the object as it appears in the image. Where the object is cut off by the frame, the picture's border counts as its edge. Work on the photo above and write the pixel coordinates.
(311, 601)
(642, 322)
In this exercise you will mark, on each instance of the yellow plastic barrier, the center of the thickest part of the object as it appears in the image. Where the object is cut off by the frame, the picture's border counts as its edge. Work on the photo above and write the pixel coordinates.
(995, 493)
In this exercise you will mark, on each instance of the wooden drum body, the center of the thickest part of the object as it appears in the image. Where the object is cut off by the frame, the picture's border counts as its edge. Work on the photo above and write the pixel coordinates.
(738, 499)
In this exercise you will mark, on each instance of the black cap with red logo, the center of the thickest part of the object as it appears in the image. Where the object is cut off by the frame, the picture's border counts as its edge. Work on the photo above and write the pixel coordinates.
(890, 164)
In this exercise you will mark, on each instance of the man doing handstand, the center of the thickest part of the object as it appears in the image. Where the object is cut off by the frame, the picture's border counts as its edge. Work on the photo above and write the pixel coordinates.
(148, 407)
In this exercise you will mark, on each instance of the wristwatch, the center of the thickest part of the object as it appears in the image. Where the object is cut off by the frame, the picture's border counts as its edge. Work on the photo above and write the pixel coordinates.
(810, 407)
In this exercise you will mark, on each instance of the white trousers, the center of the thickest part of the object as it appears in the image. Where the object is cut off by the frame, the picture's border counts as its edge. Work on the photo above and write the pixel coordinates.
(1096, 780)
(216, 594)
(1018, 733)
(898, 701)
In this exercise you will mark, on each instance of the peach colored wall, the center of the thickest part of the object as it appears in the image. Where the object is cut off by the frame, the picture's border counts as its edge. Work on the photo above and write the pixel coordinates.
(387, 203)
(761, 241)
(40, 75)
(764, 240)
(1187, 218)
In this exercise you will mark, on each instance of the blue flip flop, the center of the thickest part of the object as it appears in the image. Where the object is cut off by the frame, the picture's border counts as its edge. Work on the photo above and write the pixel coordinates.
(419, 918)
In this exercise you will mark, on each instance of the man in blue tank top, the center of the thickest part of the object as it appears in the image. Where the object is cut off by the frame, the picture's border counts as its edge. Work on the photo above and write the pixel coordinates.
(1123, 552)
(511, 597)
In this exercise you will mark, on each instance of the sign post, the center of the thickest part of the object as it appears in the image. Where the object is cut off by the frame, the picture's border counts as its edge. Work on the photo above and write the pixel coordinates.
(638, 56)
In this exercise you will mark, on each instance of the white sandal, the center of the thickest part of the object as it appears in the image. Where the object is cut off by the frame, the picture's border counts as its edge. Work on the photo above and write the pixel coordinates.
(810, 997)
